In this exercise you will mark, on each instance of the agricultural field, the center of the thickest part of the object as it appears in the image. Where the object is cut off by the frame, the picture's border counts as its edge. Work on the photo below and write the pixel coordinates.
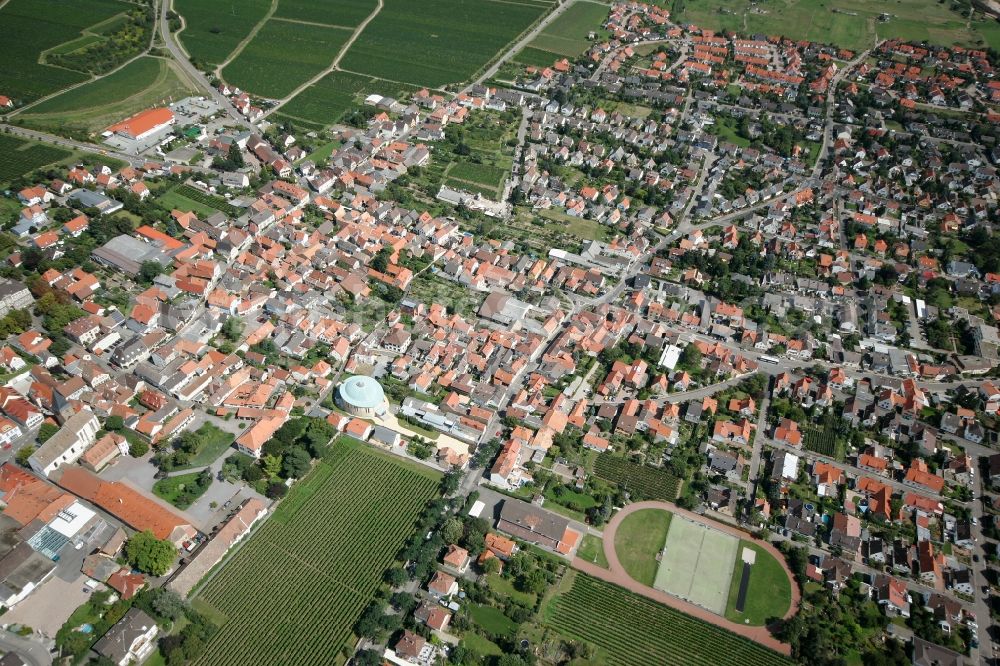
(292, 593)
(629, 629)
(484, 178)
(643, 481)
(188, 199)
(769, 593)
(19, 157)
(823, 442)
(326, 101)
(283, 55)
(639, 540)
(566, 37)
(437, 42)
(344, 13)
(29, 27)
(90, 108)
(915, 20)
(214, 28)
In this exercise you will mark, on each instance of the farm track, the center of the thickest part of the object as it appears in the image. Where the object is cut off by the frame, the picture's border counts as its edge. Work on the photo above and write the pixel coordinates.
(243, 44)
(333, 66)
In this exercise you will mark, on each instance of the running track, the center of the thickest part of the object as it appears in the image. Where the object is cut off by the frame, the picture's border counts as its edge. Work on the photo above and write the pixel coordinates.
(616, 574)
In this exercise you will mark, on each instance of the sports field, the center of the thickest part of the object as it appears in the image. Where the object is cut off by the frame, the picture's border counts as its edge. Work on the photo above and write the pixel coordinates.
(292, 593)
(697, 564)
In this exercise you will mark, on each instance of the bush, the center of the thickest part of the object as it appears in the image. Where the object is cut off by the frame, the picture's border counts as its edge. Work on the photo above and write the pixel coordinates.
(138, 448)
(276, 490)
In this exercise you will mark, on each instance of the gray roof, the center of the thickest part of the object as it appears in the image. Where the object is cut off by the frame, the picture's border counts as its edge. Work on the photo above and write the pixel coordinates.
(57, 445)
(534, 520)
(118, 641)
(127, 254)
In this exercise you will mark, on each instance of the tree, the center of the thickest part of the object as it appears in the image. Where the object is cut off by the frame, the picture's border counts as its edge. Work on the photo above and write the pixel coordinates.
(150, 555)
(452, 530)
(138, 448)
(395, 577)
(295, 463)
(149, 270)
(271, 465)
(450, 481)
(232, 329)
(691, 357)
(276, 490)
(492, 565)
(114, 423)
(23, 454)
(45, 431)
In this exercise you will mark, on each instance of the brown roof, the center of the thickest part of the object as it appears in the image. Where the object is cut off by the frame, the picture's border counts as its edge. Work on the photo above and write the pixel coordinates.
(128, 505)
(29, 498)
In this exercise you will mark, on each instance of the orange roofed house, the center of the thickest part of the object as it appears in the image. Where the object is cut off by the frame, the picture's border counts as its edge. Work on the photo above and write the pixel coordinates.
(143, 124)
(129, 506)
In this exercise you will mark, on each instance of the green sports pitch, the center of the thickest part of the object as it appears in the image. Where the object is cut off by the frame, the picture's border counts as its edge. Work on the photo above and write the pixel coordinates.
(697, 564)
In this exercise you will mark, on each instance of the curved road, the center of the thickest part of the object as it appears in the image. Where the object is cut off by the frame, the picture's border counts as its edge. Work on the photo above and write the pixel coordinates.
(31, 652)
(616, 574)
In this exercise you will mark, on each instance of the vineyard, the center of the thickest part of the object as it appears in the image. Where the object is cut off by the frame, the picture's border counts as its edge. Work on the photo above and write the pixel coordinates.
(291, 595)
(18, 157)
(631, 629)
(205, 199)
(437, 42)
(643, 481)
(823, 442)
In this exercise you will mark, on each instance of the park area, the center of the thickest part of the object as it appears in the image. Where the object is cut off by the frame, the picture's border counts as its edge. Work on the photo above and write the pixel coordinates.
(631, 630)
(292, 593)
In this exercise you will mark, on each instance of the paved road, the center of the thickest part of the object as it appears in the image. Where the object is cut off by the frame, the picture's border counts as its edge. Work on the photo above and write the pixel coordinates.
(196, 76)
(758, 447)
(70, 143)
(30, 651)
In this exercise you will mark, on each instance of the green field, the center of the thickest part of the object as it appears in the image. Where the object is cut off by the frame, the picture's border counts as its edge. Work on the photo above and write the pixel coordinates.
(325, 101)
(592, 550)
(492, 619)
(815, 20)
(485, 178)
(346, 13)
(567, 35)
(631, 630)
(19, 156)
(769, 593)
(697, 564)
(189, 200)
(29, 27)
(437, 42)
(643, 481)
(75, 45)
(214, 28)
(639, 540)
(291, 595)
(143, 83)
(283, 55)
(823, 442)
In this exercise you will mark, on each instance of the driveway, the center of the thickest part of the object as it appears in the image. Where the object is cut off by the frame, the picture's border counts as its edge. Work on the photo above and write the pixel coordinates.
(47, 608)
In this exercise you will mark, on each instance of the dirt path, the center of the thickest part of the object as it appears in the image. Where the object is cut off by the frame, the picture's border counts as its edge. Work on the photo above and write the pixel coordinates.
(335, 65)
(616, 574)
(243, 44)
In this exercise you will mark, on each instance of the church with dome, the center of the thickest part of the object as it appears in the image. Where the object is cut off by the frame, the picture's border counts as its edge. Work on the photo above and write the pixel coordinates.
(363, 396)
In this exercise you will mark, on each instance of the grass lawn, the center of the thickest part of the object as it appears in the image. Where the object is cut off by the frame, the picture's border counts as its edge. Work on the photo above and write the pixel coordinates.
(141, 84)
(567, 35)
(215, 441)
(504, 587)
(560, 222)
(492, 620)
(172, 199)
(639, 540)
(769, 593)
(173, 489)
(592, 550)
(481, 646)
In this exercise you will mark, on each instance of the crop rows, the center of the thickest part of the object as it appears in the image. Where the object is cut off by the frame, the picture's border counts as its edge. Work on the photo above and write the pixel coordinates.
(293, 593)
(15, 162)
(436, 42)
(823, 442)
(213, 28)
(643, 481)
(632, 629)
(217, 203)
(283, 55)
(346, 13)
(325, 101)
(28, 27)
